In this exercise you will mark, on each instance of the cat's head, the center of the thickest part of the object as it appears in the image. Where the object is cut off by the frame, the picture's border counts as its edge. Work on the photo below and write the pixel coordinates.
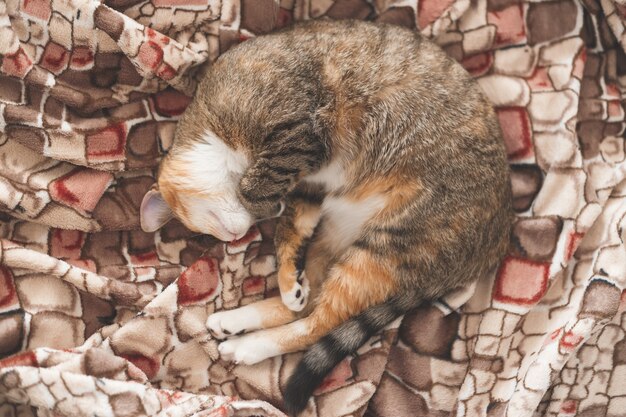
(197, 184)
(216, 142)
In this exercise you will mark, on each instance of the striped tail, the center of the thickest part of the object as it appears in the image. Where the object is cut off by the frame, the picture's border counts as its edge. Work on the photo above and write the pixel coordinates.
(343, 340)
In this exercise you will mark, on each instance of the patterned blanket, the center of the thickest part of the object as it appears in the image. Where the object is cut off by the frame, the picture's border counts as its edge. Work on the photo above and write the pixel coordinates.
(99, 318)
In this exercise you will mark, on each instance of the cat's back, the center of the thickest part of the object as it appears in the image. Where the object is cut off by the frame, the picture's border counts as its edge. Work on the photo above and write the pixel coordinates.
(369, 63)
(389, 84)
(371, 87)
(317, 64)
(355, 53)
(351, 49)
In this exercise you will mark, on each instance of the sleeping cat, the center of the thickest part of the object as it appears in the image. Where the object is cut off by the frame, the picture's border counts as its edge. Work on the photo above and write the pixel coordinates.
(384, 162)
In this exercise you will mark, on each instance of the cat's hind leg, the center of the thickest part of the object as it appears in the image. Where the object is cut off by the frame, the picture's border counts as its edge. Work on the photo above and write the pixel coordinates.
(263, 314)
(354, 284)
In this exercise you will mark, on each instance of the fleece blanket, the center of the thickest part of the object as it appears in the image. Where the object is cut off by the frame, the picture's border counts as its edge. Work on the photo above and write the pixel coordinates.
(100, 319)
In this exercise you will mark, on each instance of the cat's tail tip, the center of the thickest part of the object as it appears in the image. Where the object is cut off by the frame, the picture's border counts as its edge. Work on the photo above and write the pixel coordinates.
(300, 387)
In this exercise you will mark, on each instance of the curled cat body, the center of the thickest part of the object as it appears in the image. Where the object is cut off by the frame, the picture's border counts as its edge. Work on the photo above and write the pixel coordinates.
(381, 156)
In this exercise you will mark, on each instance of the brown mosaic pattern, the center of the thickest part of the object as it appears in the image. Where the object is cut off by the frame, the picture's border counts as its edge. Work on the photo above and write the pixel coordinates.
(103, 318)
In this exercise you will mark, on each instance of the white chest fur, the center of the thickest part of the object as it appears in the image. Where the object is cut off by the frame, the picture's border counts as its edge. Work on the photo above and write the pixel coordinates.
(343, 218)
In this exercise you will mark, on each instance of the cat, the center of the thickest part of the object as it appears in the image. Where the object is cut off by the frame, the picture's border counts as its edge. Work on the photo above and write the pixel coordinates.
(383, 161)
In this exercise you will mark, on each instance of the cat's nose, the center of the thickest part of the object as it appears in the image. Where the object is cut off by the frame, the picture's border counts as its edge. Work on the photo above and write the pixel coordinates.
(240, 235)
(238, 224)
(234, 235)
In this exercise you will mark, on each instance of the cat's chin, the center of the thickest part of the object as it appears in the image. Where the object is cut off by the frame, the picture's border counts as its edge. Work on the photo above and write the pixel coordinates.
(226, 236)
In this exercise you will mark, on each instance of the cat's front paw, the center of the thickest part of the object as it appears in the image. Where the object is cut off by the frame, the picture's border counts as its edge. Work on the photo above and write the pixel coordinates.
(225, 324)
(248, 349)
(297, 297)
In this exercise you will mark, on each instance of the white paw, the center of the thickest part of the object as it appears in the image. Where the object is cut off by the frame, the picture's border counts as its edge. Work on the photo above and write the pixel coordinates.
(248, 350)
(296, 298)
(231, 323)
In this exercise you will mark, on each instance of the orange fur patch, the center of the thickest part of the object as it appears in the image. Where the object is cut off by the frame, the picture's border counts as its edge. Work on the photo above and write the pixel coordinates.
(352, 287)
(398, 191)
(274, 313)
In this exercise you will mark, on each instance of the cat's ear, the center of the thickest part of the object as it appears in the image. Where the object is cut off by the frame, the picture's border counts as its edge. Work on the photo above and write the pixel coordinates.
(154, 212)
